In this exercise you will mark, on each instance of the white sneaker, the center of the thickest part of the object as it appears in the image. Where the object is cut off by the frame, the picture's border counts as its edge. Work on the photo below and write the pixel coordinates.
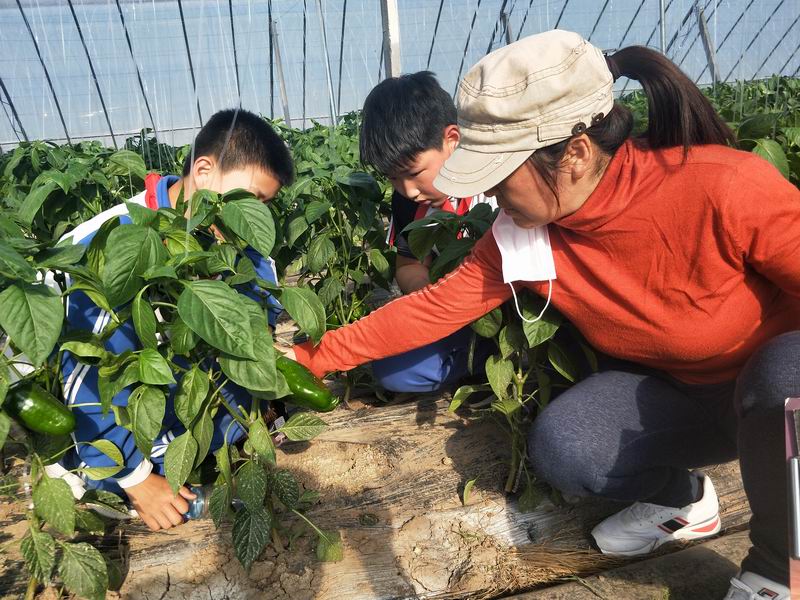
(750, 586)
(643, 527)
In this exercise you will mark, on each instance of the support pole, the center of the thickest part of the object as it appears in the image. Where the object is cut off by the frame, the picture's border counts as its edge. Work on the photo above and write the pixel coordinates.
(341, 57)
(271, 66)
(663, 25)
(391, 38)
(235, 58)
(711, 57)
(435, 31)
(92, 71)
(191, 66)
(332, 104)
(13, 110)
(46, 72)
(506, 26)
(279, 68)
(305, 26)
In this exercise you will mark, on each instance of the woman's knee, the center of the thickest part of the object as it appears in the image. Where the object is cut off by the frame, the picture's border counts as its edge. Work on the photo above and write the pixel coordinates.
(771, 375)
(556, 456)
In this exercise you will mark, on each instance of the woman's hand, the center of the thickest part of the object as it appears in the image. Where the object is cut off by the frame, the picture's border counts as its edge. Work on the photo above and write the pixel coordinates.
(287, 351)
(155, 503)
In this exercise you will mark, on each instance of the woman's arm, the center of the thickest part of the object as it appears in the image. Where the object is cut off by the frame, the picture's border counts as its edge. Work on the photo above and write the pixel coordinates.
(415, 320)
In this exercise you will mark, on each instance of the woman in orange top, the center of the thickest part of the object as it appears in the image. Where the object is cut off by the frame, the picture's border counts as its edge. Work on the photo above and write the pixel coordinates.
(675, 255)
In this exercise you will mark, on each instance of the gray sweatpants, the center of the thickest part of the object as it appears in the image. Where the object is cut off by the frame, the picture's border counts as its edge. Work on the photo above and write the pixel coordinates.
(631, 434)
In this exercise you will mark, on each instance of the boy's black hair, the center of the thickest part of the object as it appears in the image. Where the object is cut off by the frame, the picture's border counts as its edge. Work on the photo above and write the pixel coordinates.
(402, 117)
(239, 139)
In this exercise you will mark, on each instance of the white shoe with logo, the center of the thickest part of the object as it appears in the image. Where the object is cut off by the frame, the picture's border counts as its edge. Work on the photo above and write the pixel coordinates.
(750, 586)
(643, 527)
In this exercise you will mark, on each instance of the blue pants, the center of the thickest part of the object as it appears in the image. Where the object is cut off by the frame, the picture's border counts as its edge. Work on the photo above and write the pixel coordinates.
(431, 367)
(631, 434)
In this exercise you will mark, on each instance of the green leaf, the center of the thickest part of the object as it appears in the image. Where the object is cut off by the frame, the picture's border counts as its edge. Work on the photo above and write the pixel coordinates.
(179, 460)
(191, 394)
(224, 464)
(213, 311)
(329, 547)
(146, 407)
(542, 330)
(203, 432)
(500, 373)
(320, 250)
(141, 215)
(379, 263)
(88, 521)
(92, 353)
(562, 362)
(261, 441)
(127, 162)
(296, 227)
(303, 426)
(95, 293)
(757, 126)
(83, 570)
(219, 505)
(772, 151)
(258, 375)
(285, 487)
(421, 241)
(512, 339)
(13, 265)
(59, 257)
(462, 393)
(134, 250)
(144, 321)
(489, 324)
(39, 551)
(251, 485)
(32, 315)
(252, 221)
(95, 256)
(306, 309)
(5, 427)
(180, 242)
(34, 200)
(251, 531)
(329, 291)
(154, 368)
(111, 451)
(316, 209)
(468, 491)
(181, 337)
(53, 502)
(160, 272)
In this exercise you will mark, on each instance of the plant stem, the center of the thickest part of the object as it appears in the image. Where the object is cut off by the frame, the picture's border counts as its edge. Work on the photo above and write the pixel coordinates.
(166, 304)
(30, 592)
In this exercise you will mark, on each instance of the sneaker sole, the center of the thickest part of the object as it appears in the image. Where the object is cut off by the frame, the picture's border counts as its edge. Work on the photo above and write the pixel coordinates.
(705, 529)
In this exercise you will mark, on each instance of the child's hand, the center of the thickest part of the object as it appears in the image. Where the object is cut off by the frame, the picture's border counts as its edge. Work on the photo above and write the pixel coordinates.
(155, 503)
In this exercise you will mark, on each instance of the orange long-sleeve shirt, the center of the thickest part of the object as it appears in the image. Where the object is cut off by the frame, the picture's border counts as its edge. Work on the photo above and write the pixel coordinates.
(687, 268)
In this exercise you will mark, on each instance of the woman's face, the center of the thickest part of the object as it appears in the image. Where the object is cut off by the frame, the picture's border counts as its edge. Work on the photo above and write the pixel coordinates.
(525, 197)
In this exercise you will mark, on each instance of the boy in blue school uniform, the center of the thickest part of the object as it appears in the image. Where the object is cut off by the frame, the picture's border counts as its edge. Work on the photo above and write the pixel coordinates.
(408, 131)
(235, 149)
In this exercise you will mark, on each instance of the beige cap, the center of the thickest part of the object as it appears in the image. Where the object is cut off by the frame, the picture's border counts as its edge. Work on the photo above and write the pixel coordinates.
(522, 97)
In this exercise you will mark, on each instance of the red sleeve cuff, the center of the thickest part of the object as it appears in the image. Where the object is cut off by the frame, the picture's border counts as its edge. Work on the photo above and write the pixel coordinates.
(304, 354)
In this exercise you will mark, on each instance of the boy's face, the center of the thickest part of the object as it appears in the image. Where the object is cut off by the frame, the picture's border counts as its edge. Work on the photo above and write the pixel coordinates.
(416, 181)
(206, 174)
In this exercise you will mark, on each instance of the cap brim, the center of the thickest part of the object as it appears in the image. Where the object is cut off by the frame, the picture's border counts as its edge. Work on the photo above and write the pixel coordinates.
(468, 173)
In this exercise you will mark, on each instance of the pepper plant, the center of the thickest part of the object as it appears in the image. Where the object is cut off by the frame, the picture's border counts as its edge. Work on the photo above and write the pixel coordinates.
(183, 287)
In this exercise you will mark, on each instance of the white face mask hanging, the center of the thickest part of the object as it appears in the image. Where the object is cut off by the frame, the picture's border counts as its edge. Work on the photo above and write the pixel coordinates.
(527, 256)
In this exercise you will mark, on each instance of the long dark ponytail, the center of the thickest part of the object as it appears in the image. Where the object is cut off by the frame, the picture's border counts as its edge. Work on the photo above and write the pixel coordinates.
(678, 113)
